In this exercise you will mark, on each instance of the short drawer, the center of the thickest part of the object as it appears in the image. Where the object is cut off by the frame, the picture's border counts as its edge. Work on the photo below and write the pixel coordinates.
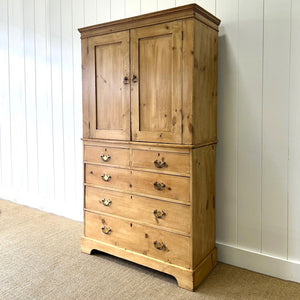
(146, 210)
(107, 155)
(108, 177)
(161, 161)
(159, 244)
(153, 184)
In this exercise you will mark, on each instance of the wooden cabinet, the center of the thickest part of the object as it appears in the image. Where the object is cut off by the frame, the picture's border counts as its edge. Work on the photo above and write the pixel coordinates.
(149, 132)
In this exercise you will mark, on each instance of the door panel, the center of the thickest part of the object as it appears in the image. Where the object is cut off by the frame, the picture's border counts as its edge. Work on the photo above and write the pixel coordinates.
(110, 102)
(156, 91)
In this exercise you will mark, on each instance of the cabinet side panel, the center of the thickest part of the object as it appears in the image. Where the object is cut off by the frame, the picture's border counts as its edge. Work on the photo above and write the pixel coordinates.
(187, 79)
(204, 127)
(85, 83)
(203, 201)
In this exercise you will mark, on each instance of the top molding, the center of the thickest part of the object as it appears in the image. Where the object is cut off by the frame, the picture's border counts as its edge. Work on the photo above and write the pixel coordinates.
(167, 15)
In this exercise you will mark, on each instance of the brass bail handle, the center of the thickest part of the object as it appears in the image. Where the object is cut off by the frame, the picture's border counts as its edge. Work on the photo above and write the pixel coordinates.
(160, 163)
(105, 229)
(106, 177)
(159, 213)
(159, 185)
(105, 157)
(159, 245)
(105, 202)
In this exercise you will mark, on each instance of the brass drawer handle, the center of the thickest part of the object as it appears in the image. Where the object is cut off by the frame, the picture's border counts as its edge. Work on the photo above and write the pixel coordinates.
(160, 164)
(159, 186)
(105, 157)
(106, 202)
(159, 245)
(159, 213)
(105, 229)
(105, 177)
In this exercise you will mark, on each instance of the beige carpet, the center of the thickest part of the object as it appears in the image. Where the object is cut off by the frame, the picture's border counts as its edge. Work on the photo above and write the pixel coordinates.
(40, 258)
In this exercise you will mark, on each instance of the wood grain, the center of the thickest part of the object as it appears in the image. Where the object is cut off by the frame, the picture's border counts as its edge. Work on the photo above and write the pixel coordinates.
(107, 94)
(139, 238)
(163, 16)
(203, 202)
(176, 187)
(156, 100)
(118, 156)
(140, 209)
(174, 162)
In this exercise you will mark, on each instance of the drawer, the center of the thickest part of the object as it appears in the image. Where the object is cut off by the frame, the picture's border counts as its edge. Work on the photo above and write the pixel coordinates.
(107, 155)
(154, 184)
(162, 245)
(146, 210)
(162, 161)
(116, 178)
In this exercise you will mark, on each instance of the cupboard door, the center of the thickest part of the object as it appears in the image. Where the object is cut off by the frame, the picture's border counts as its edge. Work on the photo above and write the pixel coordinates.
(156, 83)
(109, 89)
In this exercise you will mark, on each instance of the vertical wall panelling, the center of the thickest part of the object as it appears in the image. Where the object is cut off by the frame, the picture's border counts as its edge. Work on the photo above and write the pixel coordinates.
(78, 21)
(68, 104)
(148, 6)
(226, 194)
(164, 4)
(5, 114)
(90, 11)
(275, 126)
(209, 5)
(17, 99)
(103, 11)
(294, 139)
(57, 107)
(249, 106)
(44, 107)
(133, 8)
(184, 2)
(117, 9)
(31, 117)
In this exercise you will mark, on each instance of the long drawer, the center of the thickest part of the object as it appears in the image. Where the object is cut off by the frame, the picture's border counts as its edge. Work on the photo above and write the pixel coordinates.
(162, 161)
(154, 184)
(162, 245)
(146, 210)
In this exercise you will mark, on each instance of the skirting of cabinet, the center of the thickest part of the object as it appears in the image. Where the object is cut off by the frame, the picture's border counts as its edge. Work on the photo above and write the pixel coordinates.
(186, 278)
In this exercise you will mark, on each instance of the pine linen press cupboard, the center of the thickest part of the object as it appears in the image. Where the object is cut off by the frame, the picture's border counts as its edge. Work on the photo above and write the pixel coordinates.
(149, 137)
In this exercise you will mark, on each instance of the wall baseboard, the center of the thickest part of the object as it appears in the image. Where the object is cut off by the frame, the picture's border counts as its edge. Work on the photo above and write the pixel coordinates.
(259, 262)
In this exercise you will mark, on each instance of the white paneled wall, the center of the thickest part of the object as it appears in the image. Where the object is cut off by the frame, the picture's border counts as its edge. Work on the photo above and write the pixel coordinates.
(258, 155)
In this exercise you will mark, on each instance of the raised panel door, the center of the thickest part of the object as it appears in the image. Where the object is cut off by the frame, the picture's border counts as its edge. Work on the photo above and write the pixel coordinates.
(156, 83)
(109, 94)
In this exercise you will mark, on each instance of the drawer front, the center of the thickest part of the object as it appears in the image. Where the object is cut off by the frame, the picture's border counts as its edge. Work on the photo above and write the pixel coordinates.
(162, 245)
(145, 210)
(107, 155)
(161, 185)
(162, 161)
(154, 184)
(108, 177)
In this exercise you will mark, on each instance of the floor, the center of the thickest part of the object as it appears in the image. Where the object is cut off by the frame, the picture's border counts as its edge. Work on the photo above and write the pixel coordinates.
(40, 258)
